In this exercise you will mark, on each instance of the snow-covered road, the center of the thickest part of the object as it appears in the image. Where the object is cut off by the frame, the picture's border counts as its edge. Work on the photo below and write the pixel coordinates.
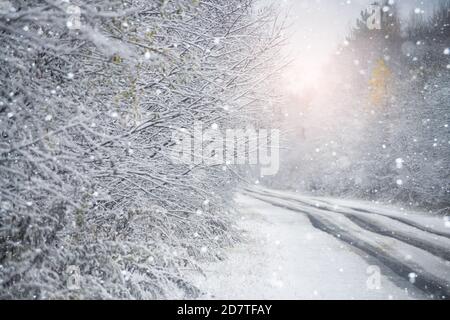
(316, 248)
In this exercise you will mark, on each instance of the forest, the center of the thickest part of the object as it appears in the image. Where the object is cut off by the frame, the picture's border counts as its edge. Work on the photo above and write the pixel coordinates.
(379, 127)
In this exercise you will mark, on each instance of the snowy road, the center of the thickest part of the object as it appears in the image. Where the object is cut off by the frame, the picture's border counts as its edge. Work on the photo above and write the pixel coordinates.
(317, 248)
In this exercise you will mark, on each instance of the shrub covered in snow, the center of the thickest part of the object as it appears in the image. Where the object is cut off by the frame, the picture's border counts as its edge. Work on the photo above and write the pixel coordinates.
(91, 93)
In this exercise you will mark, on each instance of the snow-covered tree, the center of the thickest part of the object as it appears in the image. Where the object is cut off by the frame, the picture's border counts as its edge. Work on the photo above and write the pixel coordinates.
(91, 95)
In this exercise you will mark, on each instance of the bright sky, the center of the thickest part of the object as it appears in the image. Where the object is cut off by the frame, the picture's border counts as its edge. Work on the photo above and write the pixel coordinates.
(319, 25)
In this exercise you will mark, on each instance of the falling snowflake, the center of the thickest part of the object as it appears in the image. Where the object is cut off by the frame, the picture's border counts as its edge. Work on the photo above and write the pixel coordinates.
(399, 163)
(412, 277)
(6, 205)
(447, 222)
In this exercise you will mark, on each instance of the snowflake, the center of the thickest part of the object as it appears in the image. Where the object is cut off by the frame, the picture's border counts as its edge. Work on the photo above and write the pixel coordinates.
(412, 277)
(399, 163)
(447, 222)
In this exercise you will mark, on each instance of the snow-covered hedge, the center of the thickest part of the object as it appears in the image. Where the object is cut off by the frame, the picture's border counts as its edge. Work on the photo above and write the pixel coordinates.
(92, 205)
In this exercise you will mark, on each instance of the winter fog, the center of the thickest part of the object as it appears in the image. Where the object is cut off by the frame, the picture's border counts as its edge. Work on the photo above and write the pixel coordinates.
(368, 109)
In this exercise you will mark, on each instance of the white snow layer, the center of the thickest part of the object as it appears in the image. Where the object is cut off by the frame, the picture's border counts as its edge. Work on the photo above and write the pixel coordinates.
(285, 257)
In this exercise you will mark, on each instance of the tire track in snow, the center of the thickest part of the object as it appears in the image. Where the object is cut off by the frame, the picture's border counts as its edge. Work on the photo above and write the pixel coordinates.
(438, 250)
(407, 222)
(428, 241)
(435, 286)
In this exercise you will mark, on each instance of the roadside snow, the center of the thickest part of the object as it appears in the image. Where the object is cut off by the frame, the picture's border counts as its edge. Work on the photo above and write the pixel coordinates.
(389, 245)
(285, 257)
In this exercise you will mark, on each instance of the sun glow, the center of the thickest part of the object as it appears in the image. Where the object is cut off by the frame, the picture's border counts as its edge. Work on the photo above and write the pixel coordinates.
(303, 75)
